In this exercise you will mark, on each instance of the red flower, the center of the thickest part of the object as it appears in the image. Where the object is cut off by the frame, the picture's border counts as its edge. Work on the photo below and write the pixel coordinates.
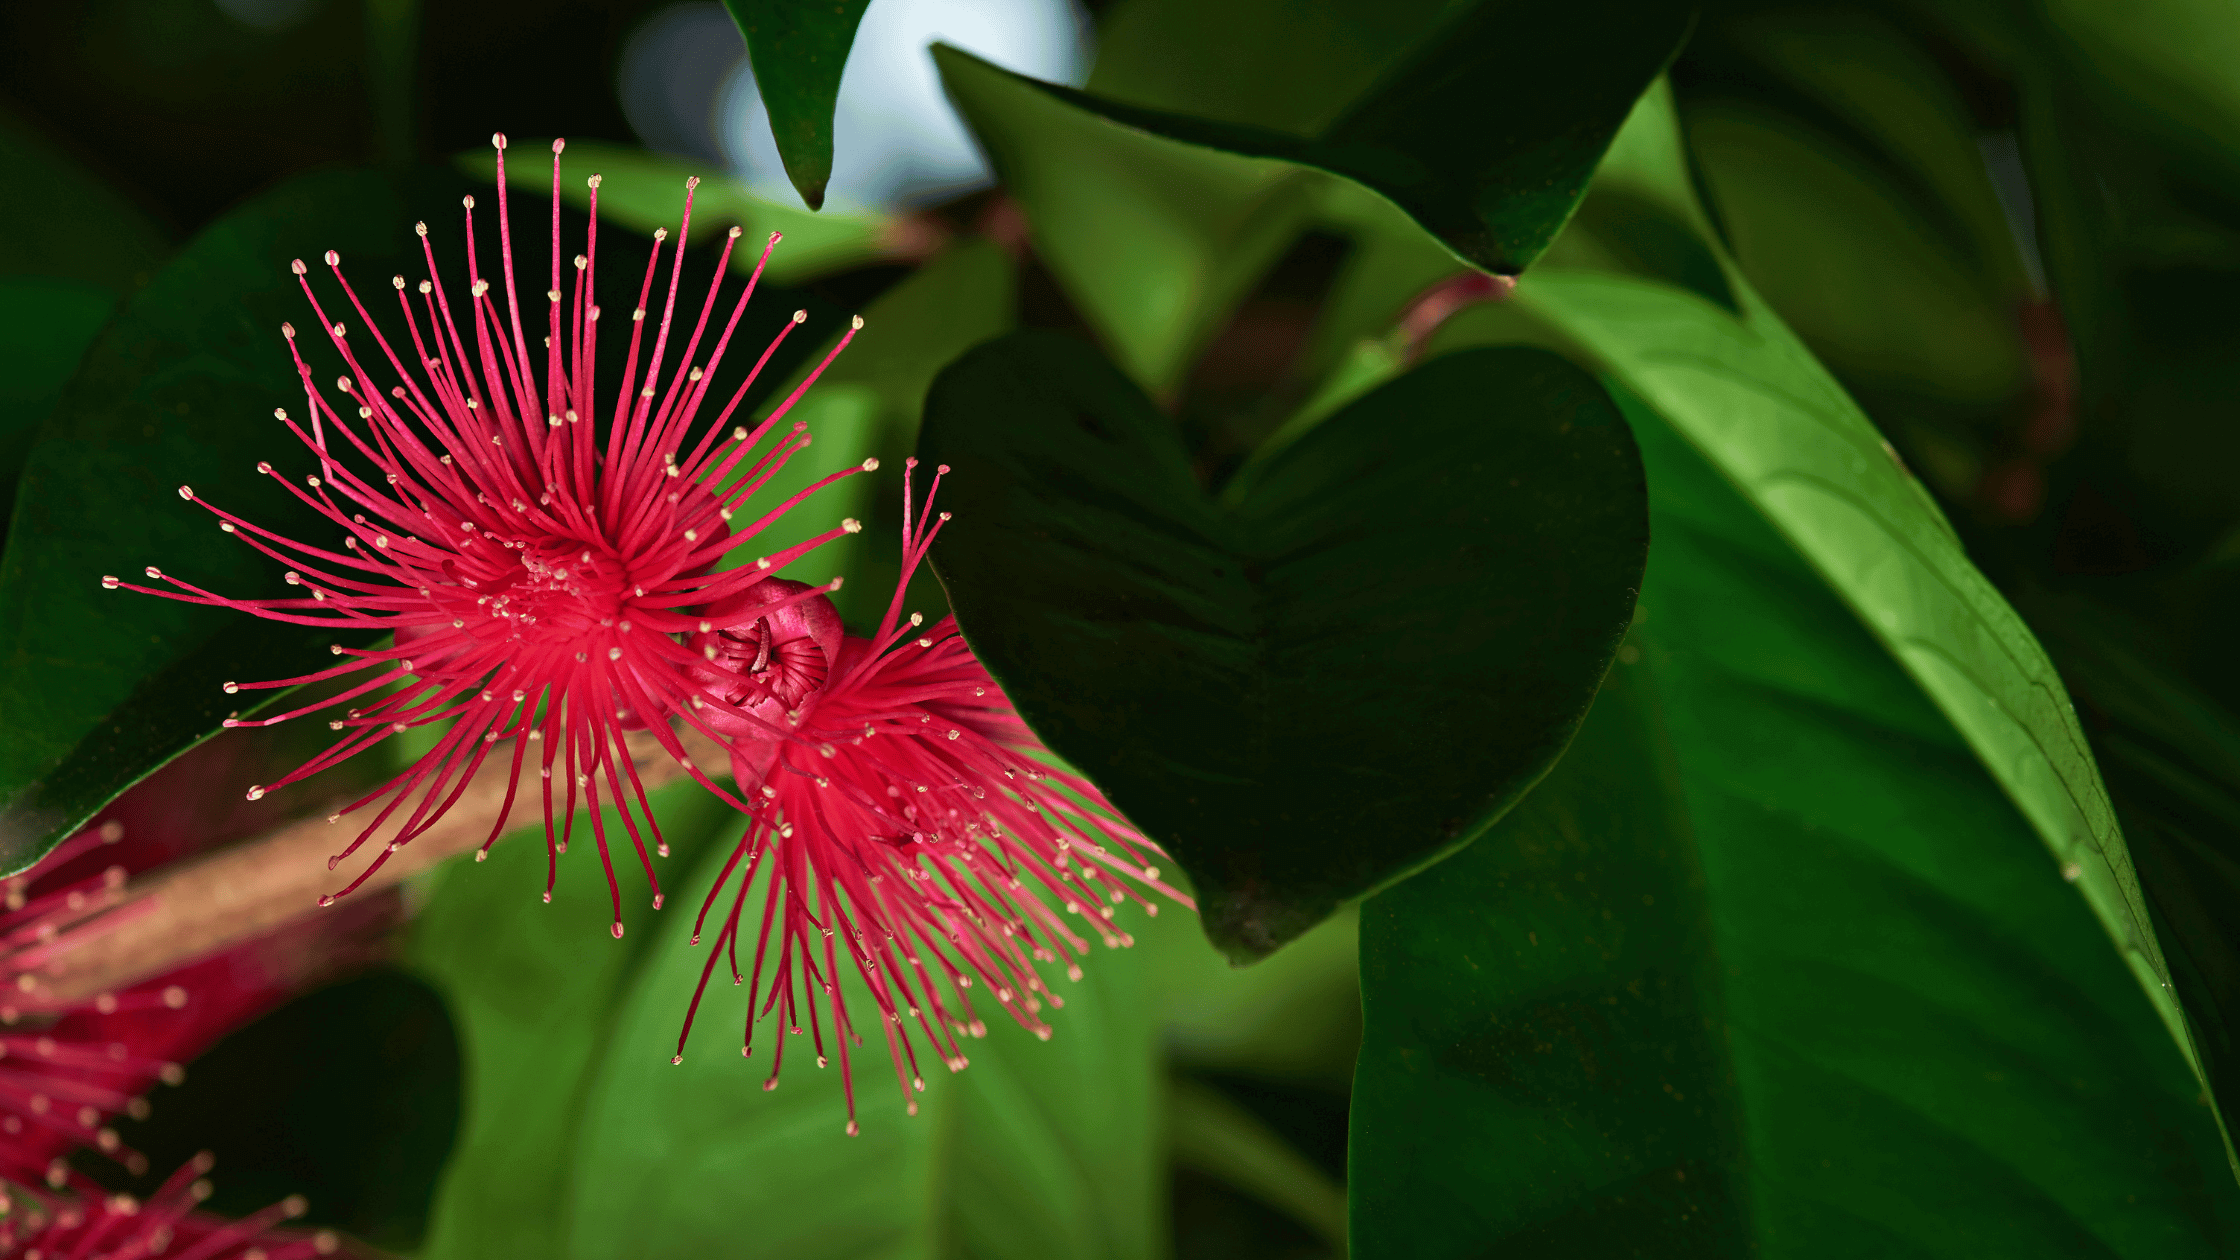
(536, 566)
(907, 817)
(92, 1226)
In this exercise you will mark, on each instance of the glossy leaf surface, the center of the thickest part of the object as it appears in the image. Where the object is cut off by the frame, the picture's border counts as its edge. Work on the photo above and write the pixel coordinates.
(99, 687)
(1771, 419)
(1768, 966)
(799, 48)
(1368, 649)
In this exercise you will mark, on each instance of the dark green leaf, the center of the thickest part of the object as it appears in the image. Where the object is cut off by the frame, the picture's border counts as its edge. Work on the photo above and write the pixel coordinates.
(1287, 65)
(70, 248)
(65, 223)
(1767, 965)
(45, 327)
(2172, 759)
(99, 687)
(1486, 135)
(358, 1085)
(1545, 1069)
(1369, 651)
(799, 48)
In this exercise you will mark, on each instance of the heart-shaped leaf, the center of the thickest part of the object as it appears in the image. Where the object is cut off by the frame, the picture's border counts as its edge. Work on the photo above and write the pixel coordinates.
(1487, 135)
(799, 49)
(99, 687)
(1373, 645)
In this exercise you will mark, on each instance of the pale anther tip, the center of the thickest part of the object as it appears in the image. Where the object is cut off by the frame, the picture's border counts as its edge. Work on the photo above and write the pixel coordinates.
(498, 140)
(856, 323)
(559, 146)
(801, 317)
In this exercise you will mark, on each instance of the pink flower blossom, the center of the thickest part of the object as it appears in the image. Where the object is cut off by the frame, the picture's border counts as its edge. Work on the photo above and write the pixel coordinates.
(536, 564)
(907, 818)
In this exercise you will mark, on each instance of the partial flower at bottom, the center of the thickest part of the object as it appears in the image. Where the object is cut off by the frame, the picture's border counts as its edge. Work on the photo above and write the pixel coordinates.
(121, 1227)
(909, 827)
(69, 1066)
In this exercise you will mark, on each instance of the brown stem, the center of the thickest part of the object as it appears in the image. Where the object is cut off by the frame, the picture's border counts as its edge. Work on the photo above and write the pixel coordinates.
(176, 914)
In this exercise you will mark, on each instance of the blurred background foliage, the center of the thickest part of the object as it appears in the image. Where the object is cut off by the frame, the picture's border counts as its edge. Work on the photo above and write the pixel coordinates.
(2009, 228)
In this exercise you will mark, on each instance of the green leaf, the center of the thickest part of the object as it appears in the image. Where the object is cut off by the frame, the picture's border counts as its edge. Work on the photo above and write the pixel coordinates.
(1486, 135)
(644, 192)
(1768, 965)
(1858, 73)
(532, 989)
(1858, 269)
(799, 48)
(99, 687)
(1263, 682)
(583, 1140)
(1156, 242)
